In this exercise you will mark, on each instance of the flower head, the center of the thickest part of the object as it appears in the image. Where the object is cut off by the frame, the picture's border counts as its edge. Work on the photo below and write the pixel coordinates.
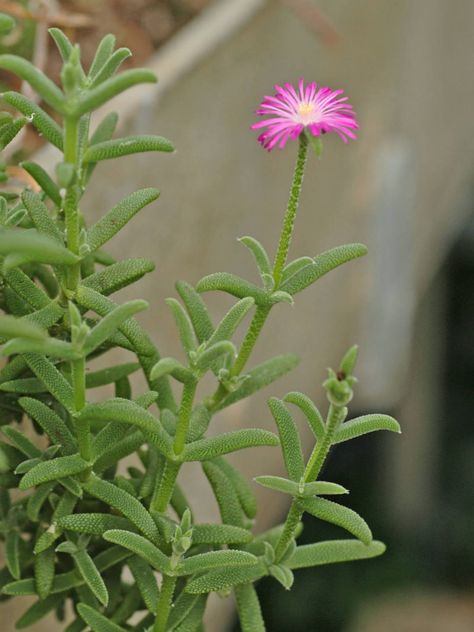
(292, 111)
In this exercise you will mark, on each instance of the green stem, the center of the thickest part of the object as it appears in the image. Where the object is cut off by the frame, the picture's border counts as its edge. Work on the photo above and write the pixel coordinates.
(321, 449)
(71, 212)
(250, 339)
(291, 523)
(185, 410)
(71, 133)
(78, 368)
(248, 343)
(164, 603)
(313, 468)
(71, 125)
(165, 487)
(292, 208)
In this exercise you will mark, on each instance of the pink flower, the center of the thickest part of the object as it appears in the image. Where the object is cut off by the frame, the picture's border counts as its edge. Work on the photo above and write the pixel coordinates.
(291, 111)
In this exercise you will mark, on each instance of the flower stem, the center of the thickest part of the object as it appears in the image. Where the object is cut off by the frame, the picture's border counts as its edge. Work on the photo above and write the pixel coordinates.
(313, 468)
(164, 603)
(292, 208)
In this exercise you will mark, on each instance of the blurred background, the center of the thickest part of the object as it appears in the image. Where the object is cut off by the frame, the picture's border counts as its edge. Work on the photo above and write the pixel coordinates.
(405, 188)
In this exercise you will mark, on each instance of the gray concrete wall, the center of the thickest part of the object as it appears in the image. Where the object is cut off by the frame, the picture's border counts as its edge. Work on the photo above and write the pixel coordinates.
(405, 66)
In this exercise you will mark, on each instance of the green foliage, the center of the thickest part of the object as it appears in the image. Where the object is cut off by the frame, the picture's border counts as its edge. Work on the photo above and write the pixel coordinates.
(90, 530)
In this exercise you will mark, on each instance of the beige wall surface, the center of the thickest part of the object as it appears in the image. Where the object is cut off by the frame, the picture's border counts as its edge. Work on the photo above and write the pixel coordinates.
(405, 66)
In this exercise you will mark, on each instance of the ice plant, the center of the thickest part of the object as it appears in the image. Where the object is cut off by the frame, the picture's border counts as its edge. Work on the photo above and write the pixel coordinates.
(119, 545)
(309, 109)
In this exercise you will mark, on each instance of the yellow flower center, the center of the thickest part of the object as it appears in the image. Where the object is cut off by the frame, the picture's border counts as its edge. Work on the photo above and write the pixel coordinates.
(305, 109)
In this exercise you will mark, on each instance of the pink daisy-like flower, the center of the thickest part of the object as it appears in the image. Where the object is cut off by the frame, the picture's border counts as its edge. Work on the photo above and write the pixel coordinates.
(292, 110)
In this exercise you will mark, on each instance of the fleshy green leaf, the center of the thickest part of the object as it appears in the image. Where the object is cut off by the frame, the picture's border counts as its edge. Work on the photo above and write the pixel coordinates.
(259, 377)
(222, 579)
(234, 285)
(54, 381)
(37, 80)
(37, 499)
(312, 414)
(244, 492)
(334, 551)
(40, 216)
(93, 523)
(21, 246)
(293, 488)
(94, 98)
(20, 441)
(215, 559)
(226, 328)
(44, 572)
(110, 323)
(197, 311)
(38, 117)
(96, 621)
(11, 327)
(111, 65)
(37, 172)
(49, 346)
(91, 576)
(140, 546)
(216, 534)
(182, 607)
(53, 470)
(145, 581)
(113, 221)
(289, 438)
(124, 502)
(199, 422)
(104, 51)
(248, 607)
(294, 266)
(193, 620)
(215, 352)
(12, 553)
(261, 258)
(63, 43)
(124, 146)
(104, 131)
(127, 412)
(338, 515)
(118, 275)
(183, 323)
(65, 581)
(362, 425)
(111, 374)
(225, 493)
(118, 449)
(322, 264)
(209, 448)
(9, 132)
(27, 289)
(170, 366)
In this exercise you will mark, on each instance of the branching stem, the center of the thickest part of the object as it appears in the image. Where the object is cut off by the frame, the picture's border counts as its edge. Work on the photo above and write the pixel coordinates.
(313, 468)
